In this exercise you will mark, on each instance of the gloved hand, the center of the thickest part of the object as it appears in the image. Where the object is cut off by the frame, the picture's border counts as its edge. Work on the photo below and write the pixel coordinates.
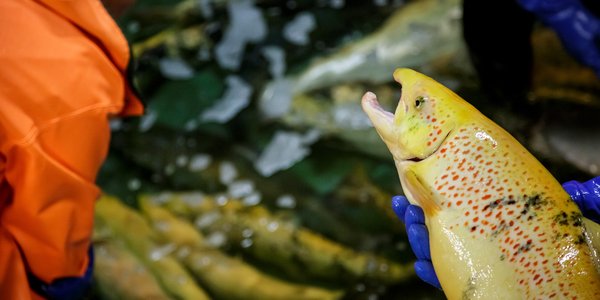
(418, 237)
(69, 288)
(586, 195)
(577, 28)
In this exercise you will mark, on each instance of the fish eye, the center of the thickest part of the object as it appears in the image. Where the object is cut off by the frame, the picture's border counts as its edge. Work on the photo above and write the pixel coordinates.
(419, 101)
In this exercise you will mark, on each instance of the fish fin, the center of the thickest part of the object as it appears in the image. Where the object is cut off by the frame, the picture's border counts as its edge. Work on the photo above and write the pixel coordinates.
(593, 230)
(415, 189)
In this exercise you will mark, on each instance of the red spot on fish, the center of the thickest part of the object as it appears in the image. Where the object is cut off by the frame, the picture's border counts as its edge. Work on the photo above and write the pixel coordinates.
(433, 120)
(443, 150)
(458, 203)
(488, 196)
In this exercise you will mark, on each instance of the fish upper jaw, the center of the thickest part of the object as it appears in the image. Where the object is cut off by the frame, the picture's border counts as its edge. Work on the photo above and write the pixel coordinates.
(385, 125)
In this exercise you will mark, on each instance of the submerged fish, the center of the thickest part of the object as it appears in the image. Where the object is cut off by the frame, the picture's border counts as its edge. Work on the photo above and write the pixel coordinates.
(501, 227)
(420, 33)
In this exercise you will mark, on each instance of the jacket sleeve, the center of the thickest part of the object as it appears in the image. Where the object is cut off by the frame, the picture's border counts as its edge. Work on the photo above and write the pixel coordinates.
(52, 178)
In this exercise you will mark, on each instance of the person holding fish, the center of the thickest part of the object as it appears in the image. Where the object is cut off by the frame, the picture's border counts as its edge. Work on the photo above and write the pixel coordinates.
(579, 30)
(64, 70)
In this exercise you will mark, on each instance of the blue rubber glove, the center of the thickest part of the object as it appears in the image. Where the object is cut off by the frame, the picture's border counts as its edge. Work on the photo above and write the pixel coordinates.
(577, 28)
(586, 195)
(418, 237)
(69, 288)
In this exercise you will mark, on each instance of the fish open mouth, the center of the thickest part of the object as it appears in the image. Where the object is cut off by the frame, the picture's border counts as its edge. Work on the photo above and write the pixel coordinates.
(384, 123)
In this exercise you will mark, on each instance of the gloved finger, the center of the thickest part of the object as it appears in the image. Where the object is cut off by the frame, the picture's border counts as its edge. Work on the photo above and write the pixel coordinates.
(587, 197)
(399, 205)
(573, 189)
(414, 215)
(418, 238)
(425, 271)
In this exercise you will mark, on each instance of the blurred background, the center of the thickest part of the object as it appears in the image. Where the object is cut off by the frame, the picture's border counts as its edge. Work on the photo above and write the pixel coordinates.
(254, 173)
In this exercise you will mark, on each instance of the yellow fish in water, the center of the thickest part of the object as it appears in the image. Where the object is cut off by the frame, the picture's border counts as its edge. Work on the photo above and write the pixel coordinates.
(501, 227)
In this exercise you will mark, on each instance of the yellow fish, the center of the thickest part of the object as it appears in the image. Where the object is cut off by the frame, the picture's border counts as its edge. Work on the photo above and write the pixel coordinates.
(501, 226)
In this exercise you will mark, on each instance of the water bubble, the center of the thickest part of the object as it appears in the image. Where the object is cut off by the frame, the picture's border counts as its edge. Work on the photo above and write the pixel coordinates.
(134, 184)
(203, 261)
(207, 219)
(284, 150)
(401, 246)
(240, 188)
(190, 125)
(338, 3)
(273, 226)
(246, 243)
(221, 199)
(205, 8)
(263, 221)
(183, 252)
(133, 27)
(116, 124)
(175, 68)
(384, 267)
(372, 297)
(169, 169)
(160, 252)
(181, 280)
(297, 31)
(252, 199)
(227, 172)
(247, 232)
(286, 201)
(193, 199)
(162, 226)
(216, 239)
(181, 160)
(276, 58)
(360, 287)
(199, 162)
(148, 120)
(235, 99)
(276, 99)
(291, 4)
(246, 25)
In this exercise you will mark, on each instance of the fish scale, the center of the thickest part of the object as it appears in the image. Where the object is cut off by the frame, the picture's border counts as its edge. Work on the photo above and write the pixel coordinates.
(501, 227)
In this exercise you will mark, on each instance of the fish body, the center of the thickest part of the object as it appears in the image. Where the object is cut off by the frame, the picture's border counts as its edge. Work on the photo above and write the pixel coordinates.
(501, 226)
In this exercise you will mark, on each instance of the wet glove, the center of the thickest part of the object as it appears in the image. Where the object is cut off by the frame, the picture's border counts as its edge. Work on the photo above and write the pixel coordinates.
(418, 237)
(69, 288)
(586, 195)
(577, 27)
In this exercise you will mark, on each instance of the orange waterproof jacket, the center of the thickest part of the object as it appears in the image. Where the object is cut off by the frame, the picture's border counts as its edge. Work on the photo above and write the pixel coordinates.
(62, 75)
